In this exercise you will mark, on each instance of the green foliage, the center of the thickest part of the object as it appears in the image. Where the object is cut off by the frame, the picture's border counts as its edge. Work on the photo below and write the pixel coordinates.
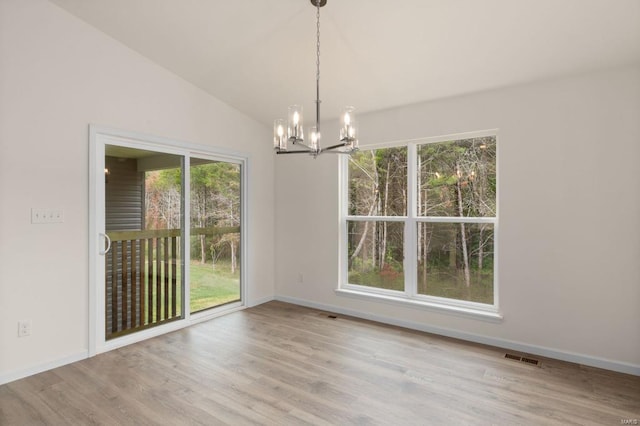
(439, 282)
(390, 277)
(468, 166)
(169, 178)
(215, 194)
(450, 284)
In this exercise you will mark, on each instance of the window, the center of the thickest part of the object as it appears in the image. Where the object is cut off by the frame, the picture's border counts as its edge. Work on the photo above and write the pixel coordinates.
(419, 222)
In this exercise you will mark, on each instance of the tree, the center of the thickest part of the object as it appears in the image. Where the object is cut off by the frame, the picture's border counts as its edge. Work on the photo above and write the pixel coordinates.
(457, 178)
(215, 202)
(377, 187)
(364, 189)
(163, 199)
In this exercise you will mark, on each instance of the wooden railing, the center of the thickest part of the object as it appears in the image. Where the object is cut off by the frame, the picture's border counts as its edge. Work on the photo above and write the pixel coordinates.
(143, 278)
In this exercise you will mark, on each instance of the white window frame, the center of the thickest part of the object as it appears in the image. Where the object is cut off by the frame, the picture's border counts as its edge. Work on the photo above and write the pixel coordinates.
(410, 296)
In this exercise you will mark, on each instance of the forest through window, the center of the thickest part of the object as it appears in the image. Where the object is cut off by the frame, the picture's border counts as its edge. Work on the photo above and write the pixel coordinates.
(421, 219)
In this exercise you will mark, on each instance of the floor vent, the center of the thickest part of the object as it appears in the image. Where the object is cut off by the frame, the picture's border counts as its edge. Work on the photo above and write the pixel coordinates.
(332, 316)
(530, 361)
(524, 359)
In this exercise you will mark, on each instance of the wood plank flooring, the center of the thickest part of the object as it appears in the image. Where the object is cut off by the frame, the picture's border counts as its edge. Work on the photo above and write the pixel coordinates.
(281, 364)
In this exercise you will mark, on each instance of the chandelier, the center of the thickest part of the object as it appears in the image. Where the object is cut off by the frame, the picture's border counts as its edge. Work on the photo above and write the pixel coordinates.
(291, 130)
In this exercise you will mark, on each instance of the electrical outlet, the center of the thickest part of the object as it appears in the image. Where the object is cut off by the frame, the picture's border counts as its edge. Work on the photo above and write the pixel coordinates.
(300, 278)
(24, 328)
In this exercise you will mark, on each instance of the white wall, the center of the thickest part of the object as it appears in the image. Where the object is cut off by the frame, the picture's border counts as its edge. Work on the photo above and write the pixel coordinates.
(57, 75)
(569, 212)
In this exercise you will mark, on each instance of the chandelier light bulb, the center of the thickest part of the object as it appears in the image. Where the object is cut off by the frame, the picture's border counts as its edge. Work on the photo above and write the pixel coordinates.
(279, 139)
(294, 131)
(348, 127)
(315, 138)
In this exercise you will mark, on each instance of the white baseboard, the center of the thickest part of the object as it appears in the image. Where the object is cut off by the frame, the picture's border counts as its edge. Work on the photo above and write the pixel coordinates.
(591, 361)
(260, 301)
(30, 371)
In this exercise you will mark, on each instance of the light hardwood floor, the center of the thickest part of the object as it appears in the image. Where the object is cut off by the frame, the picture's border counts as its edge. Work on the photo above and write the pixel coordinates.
(281, 364)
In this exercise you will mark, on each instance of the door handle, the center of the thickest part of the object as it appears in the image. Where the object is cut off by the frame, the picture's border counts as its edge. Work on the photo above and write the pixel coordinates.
(108, 240)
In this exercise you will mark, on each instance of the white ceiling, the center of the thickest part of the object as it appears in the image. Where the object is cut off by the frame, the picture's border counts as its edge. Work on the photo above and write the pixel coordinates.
(259, 55)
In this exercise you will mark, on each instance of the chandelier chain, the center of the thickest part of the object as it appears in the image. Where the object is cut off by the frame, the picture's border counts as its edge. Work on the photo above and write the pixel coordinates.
(318, 41)
(318, 66)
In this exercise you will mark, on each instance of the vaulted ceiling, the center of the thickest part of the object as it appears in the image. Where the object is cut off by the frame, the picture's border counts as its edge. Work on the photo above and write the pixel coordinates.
(259, 55)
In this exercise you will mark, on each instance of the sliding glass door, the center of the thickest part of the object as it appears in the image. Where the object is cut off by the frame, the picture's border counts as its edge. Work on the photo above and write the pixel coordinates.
(143, 221)
(167, 228)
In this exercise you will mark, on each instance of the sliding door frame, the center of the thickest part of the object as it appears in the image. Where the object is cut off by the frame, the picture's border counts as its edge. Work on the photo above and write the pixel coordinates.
(99, 137)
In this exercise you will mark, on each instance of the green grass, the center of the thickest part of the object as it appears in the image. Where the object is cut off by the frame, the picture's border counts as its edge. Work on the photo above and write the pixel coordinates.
(450, 284)
(212, 287)
(440, 283)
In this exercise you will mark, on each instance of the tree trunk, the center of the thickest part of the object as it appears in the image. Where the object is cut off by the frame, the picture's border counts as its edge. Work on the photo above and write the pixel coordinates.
(234, 264)
(356, 252)
(376, 202)
(363, 237)
(481, 248)
(372, 207)
(425, 250)
(463, 234)
(203, 253)
(374, 245)
(453, 253)
(465, 256)
(385, 207)
(383, 245)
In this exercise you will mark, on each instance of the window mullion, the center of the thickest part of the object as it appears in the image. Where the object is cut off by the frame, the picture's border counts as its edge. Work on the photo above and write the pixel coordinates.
(186, 236)
(343, 165)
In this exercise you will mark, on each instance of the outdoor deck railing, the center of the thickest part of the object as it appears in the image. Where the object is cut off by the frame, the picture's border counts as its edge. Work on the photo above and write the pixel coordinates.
(143, 278)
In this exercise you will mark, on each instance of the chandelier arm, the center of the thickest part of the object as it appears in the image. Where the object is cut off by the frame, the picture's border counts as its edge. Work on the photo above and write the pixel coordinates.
(293, 152)
(338, 152)
(301, 143)
(334, 146)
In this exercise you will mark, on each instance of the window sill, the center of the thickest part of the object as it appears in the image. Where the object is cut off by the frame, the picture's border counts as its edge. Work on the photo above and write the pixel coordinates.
(468, 312)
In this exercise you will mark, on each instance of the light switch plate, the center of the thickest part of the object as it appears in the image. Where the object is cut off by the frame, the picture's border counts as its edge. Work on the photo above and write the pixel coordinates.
(47, 215)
